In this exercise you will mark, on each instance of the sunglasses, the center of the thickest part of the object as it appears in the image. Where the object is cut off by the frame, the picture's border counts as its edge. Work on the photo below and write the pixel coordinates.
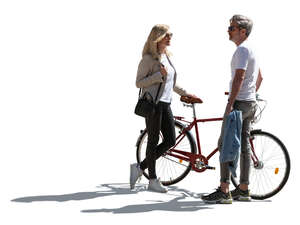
(169, 35)
(232, 28)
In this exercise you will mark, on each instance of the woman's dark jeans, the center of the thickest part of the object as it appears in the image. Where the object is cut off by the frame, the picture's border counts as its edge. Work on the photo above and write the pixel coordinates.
(162, 120)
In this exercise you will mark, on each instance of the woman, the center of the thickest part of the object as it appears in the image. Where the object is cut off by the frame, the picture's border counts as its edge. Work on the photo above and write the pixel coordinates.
(157, 76)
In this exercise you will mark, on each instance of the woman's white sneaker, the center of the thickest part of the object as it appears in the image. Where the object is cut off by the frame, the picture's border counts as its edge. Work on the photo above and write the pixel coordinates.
(135, 174)
(156, 185)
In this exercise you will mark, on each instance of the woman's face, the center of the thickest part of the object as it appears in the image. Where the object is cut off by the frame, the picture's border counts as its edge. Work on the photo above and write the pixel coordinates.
(165, 41)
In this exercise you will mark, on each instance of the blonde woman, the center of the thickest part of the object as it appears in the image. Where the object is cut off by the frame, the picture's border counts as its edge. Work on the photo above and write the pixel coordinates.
(156, 75)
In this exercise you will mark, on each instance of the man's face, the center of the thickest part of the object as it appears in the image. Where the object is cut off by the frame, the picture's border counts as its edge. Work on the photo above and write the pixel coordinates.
(234, 32)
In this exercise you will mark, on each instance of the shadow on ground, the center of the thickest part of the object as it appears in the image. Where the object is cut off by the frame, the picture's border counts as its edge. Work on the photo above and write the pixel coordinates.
(178, 203)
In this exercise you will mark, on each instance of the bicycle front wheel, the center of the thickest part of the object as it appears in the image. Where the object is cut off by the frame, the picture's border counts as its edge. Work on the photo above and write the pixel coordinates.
(169, 169)
(270, 165)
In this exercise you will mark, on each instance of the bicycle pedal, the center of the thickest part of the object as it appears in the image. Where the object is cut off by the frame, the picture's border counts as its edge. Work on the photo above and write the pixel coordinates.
(201, 165)
(210, 167)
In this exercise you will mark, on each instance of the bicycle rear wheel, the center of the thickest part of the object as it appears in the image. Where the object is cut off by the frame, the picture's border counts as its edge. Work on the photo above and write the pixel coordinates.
(270, 171)
(169, 169)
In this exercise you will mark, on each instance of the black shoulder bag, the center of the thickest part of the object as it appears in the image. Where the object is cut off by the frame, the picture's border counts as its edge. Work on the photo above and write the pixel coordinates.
(144, 106)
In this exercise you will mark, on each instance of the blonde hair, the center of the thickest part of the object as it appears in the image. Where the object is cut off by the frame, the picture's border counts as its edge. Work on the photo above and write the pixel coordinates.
(157, 33)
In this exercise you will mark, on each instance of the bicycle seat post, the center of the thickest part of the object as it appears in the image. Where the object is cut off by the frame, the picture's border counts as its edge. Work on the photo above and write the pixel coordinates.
(194, 110)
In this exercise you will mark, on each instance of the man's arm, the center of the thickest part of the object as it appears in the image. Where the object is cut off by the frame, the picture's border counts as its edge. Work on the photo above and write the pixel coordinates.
(259, 80)
(235, 89)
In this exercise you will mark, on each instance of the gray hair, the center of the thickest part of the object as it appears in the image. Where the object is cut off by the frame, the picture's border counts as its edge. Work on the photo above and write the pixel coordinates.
(243, 22)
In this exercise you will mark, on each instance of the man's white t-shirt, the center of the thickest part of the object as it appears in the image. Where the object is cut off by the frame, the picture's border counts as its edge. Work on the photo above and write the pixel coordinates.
(244, 58)
(167, 94)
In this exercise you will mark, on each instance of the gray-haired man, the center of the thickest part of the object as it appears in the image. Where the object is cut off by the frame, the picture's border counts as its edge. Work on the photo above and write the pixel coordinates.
(245, 81)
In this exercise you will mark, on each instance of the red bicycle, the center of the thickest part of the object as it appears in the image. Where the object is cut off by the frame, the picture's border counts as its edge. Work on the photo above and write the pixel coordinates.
(270, 164)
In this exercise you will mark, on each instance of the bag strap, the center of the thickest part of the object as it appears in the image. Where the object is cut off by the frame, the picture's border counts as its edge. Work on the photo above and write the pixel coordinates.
(156, 93)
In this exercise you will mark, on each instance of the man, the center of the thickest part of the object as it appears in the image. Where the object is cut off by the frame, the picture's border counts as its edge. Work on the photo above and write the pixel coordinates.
(245, 81)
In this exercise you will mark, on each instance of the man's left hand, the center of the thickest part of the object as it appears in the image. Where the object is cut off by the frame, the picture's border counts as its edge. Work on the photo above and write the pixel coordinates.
(228, 109)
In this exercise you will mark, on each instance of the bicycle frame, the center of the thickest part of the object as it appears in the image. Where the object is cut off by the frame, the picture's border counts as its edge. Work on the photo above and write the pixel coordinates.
(198, 161)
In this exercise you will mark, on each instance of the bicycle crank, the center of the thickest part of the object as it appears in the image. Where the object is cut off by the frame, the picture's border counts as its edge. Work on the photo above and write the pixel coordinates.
(201, 164)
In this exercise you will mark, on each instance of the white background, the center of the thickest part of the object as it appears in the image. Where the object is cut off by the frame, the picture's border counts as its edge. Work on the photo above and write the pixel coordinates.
(67, 94)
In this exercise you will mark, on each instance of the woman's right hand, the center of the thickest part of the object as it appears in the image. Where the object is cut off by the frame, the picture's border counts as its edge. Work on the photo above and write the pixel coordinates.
(163, 70)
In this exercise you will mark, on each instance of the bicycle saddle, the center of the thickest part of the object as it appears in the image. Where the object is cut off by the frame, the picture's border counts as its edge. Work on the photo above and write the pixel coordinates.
(190, 100)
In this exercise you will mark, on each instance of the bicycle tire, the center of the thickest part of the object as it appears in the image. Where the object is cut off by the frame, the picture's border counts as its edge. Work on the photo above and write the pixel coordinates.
(167, 167)
(270, 176)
